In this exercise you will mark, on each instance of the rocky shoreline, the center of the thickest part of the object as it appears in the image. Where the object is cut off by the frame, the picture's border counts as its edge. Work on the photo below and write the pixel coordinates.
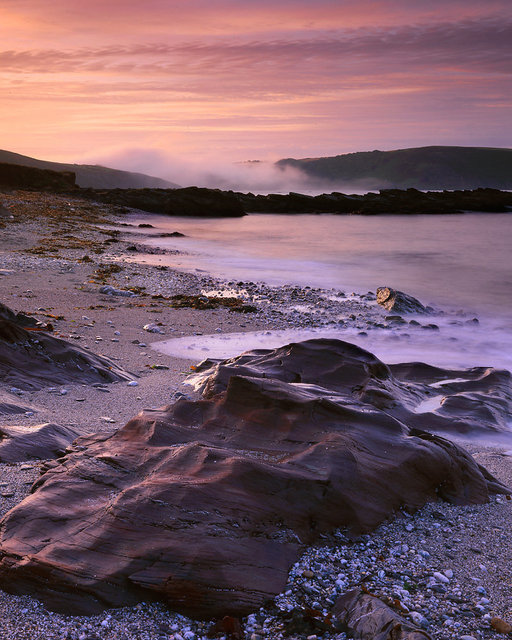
(444, 569)
(211, 203)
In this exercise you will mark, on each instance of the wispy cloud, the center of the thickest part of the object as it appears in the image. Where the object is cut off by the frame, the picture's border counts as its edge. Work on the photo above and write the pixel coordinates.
(484, 43)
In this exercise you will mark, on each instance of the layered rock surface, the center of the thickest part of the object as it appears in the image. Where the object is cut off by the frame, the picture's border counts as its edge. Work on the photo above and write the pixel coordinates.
(44, 441)
(30, 358)
(10, 404)
(206, 504)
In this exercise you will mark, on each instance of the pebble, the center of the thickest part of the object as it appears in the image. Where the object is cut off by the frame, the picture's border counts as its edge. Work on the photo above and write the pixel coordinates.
(132, 383)
(440, 577)
(16, 391)
(153, 328)
(501, 626)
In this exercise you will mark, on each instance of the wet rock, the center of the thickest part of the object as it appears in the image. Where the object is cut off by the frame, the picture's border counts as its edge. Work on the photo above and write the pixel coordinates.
(41, 442)
(172, 234)
(206, 504)
(399, 302)
(479, 401)
(368, 618)
(189, 201)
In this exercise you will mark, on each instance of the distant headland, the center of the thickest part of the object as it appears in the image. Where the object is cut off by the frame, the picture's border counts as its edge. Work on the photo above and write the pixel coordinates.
(199, 201)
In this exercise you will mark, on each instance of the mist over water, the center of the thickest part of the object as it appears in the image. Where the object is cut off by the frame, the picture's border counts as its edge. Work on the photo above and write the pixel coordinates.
(453, 262)
(259, 177)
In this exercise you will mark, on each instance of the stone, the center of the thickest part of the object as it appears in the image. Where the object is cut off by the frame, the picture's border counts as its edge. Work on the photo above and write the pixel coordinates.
(153, 328)
(441, 577)
(109, 290)
(501, 626)
(368, 618)
(30, 358)
(206, 504)
(399, 302)
(41, 442)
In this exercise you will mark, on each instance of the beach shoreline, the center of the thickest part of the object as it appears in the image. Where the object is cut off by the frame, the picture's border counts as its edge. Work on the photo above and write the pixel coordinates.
(57, 254)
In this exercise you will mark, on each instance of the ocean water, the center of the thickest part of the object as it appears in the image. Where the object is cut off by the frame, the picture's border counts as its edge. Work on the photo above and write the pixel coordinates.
(455, 262)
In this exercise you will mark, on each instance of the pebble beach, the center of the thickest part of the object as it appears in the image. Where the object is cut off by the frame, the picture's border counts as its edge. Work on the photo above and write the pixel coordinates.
(446, 568)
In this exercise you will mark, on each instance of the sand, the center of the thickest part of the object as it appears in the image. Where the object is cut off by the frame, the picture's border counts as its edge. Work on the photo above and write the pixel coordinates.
(55, 254)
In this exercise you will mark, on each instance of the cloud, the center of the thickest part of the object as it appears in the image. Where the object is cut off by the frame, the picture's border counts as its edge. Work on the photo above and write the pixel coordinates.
(241, 78)
(482, 44)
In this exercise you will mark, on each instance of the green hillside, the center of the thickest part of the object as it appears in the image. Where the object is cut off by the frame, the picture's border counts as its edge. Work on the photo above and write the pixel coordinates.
(421, 168)
(92, 175)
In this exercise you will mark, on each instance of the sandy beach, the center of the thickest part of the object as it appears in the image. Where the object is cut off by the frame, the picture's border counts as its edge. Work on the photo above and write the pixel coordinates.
(56, 255)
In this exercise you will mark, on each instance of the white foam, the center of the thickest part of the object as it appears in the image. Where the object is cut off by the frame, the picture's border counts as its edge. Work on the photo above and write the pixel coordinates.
(428, 405)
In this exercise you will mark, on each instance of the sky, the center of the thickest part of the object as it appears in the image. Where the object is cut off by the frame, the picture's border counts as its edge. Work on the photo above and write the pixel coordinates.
(166, 86)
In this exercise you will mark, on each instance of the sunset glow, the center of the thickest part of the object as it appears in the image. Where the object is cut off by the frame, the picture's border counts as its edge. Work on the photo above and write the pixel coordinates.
(117, 82)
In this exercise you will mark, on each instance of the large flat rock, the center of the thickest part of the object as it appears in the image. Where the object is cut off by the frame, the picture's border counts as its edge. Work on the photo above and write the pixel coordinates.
(206, 504)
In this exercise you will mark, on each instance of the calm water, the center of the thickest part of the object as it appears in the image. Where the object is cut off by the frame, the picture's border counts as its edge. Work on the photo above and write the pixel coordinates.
(455, 261)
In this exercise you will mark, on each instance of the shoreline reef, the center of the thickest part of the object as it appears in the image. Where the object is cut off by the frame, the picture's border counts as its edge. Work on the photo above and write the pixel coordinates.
(204, 202)
(444, 569)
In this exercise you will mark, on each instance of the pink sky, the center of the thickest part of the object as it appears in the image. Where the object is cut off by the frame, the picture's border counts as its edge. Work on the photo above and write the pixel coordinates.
(149, 84)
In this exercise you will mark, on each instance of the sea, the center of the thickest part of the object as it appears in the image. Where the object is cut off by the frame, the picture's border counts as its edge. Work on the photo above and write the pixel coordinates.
(460, 264)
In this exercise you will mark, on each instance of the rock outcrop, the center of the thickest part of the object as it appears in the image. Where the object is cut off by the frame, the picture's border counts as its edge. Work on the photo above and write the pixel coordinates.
(11, 404)
(387, 201)
(13, 176)
(190, 201)
(206, 504)
(30, 358)
(42, 442)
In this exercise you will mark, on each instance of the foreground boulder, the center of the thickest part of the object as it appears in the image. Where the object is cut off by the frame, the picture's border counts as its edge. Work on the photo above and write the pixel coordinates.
(42, 442)
(30, 358)
(472, 401)
(206, 504)
(399, 302)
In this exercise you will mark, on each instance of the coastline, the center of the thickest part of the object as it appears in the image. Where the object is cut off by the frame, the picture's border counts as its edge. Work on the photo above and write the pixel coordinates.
(48, 280)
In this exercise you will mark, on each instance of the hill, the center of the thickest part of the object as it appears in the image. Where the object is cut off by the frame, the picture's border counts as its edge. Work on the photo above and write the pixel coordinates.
(91, 175)
(420, 168)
